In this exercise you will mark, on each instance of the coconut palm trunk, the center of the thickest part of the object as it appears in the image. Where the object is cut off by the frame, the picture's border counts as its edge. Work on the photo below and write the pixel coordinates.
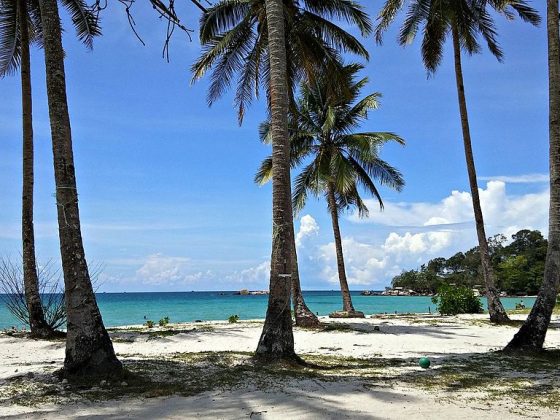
(495, 308)
(304, 316)
(37, 323)
(531, 335)
(277, 340)
(347, 305)
(89, 350)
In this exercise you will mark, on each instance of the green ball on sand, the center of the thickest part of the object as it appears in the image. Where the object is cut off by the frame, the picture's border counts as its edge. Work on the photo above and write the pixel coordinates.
(424, 362)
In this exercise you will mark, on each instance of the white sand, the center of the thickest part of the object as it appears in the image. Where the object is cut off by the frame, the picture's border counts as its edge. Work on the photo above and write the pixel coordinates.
(398, 337)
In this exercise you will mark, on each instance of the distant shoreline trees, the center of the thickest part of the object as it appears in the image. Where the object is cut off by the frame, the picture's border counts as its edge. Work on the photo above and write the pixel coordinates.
(519, 267)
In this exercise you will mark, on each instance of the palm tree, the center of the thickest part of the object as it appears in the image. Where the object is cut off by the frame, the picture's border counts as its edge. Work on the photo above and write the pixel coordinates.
(341, 160)
(234, 34)
(235, 37)
(17, 31)
(464, 20)
(277, 339)
(89, 350)
(531, 335)
(20, 26)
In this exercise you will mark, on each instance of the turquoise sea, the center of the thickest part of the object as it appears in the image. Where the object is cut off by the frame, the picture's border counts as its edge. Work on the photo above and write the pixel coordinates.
(134, 308)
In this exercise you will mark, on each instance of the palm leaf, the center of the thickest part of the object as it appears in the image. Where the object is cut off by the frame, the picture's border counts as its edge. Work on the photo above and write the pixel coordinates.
(10, 47)
(84, 20)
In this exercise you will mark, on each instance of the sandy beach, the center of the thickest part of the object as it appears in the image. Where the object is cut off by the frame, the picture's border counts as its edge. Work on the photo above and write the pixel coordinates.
(205, 370)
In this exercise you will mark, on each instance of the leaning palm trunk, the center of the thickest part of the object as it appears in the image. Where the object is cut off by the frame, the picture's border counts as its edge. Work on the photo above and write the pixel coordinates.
(277, 340)
(495, 308)
(304, 316)
(89, 350)
(532, 333)
(347, 305)
(37, 323)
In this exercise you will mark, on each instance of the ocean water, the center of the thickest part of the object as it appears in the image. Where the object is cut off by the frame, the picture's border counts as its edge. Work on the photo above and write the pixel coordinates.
(135, 308)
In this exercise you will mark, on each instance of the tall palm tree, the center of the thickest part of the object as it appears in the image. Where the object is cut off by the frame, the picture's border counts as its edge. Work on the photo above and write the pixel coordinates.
(277, 339)
(464, 20)
(234, 34)
(341, 160)
(532, 333)
(20, 27)
(17, 32)
(89, 350)
(235, 37)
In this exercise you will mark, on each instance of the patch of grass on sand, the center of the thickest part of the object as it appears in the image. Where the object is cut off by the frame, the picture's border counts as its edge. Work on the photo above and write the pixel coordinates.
(526, 380)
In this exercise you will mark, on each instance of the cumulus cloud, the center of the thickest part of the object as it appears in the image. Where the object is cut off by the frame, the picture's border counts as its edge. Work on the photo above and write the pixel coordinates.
(307, 227)
(500, 210)
(258, 274)
(362, 260)
(159, 269)
(427, 230)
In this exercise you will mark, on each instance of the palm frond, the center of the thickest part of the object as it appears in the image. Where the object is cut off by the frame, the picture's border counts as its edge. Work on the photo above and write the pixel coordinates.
(386, 17)
(85, 21)
(264, 174)
(306, 181)
(222, 17)
(10, 39)
(346, 10)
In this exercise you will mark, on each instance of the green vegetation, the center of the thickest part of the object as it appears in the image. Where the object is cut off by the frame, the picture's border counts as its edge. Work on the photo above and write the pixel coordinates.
(453, 300)
(150, 323)
(233, 319)
(164, 321)
(519, 266)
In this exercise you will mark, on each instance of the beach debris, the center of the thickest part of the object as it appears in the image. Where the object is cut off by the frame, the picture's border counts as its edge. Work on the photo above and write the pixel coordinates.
(64, 381)
(103, 383)
(123, 383)
(424, 362)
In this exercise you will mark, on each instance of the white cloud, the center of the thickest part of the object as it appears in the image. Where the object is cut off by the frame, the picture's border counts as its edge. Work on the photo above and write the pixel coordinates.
(307, 227)
(364, 263)
(517, 179)
(500, 210)
(159, 269)
(258, 274)
(427, 230)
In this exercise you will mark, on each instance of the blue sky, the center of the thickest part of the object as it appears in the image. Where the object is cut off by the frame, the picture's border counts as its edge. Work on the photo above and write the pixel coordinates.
(166, 188)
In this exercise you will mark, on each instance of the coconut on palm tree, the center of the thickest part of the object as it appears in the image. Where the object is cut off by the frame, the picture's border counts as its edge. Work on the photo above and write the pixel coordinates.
(235, 39)
(21, 27)
(89, 350)
(339, 161)
(464, 21)
(532, 333)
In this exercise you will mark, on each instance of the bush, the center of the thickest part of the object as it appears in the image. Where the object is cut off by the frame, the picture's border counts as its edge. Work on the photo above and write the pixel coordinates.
(149, 323)
(164, 321)
(51, 290)
(233, 319)
(453, 300)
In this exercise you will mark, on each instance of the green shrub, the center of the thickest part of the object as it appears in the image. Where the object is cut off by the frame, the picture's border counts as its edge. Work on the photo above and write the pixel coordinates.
(453, 300)
(164, 321)
(150, 323)
(233, 319)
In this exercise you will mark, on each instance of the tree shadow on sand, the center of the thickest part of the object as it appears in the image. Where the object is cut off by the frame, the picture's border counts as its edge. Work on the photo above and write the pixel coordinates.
(232, 384)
